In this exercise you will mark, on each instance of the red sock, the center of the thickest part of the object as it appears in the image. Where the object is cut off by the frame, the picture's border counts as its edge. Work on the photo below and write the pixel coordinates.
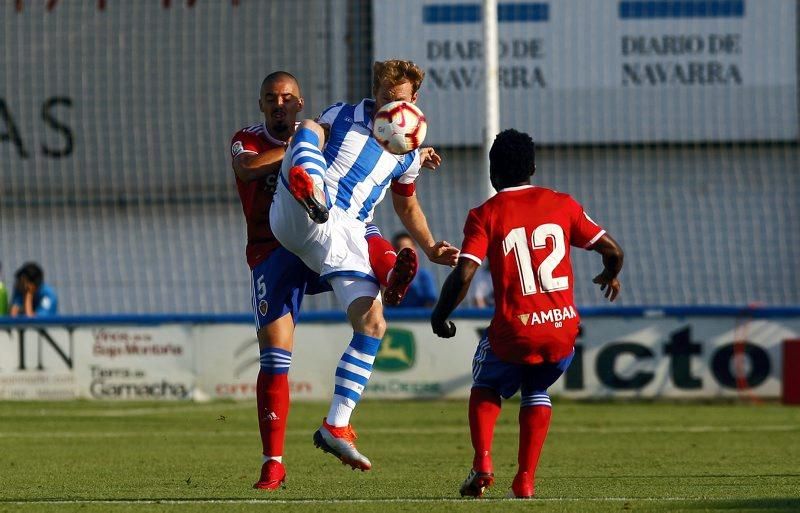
(272, 398)
(534, 421)
(484, 407)
(381, 257)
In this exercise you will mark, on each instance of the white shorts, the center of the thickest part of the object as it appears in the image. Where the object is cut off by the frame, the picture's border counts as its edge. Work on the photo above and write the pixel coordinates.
(348, 290)
(334, 248)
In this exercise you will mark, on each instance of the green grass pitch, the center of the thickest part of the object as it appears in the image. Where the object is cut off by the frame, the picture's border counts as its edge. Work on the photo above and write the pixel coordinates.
(115, 457)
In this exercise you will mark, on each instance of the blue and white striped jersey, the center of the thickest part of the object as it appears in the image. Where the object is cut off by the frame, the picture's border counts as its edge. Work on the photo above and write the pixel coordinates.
(359, 169)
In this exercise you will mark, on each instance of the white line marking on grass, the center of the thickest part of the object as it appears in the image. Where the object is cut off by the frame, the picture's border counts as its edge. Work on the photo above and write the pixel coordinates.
(361, 501)
(135, 412)
(220, 431)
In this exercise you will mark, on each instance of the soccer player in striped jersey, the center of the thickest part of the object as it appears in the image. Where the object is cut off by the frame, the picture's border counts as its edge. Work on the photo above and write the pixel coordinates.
(332, 177)
(279, 278)
(526, 232)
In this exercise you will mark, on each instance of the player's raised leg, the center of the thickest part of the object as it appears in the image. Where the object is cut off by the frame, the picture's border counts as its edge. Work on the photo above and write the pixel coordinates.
(336, 436)
(400, 277)
(382, 255)
(394, 270)
(306, 174)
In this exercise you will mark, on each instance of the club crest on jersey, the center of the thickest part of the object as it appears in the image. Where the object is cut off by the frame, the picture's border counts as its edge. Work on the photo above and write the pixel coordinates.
(552, 315)
(237, 148)
(262, 307)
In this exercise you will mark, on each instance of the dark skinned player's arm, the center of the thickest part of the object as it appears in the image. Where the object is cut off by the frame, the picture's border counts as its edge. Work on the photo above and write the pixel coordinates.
(453, 291)
(612, 264)
(250, 166)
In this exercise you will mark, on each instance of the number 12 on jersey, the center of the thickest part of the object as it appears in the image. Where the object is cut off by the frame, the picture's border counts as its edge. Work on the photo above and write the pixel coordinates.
(517, 241)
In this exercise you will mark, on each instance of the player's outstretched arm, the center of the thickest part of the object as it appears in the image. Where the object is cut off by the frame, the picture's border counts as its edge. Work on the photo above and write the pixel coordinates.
(250, 166)
(612, 265)
(453, 291)
(413, 218)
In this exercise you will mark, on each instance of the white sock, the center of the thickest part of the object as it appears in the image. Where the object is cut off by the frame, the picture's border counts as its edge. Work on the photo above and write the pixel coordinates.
(339, 412)
(265, 459)
(352, 375)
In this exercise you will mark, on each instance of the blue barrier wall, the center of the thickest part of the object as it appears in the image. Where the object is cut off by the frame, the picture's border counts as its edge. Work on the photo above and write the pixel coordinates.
(405, 314)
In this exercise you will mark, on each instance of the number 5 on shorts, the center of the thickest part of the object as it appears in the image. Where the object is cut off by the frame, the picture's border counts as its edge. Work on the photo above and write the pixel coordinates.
(261, 288)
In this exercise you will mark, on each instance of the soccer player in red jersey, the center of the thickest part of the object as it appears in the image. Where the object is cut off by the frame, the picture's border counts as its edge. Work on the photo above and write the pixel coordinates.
(279, 278)
(526, 232)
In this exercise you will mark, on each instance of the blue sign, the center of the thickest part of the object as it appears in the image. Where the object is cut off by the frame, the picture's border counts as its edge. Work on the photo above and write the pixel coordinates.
(681, 9)
(471, 13)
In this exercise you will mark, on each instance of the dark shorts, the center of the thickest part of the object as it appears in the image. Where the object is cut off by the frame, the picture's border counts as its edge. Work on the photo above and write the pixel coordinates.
(506, 378)
(279, 284)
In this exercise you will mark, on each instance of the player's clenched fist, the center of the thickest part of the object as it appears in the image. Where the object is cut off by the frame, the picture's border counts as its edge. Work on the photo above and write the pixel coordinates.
(443, 327)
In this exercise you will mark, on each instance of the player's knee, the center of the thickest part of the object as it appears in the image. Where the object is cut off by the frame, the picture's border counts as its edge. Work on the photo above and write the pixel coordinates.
(375, 326)
(366, 315)
(375, 320)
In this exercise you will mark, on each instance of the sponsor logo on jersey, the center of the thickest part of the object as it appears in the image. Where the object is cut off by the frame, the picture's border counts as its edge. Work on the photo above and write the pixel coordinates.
(543, 316)
(397, 352)
(237, 148)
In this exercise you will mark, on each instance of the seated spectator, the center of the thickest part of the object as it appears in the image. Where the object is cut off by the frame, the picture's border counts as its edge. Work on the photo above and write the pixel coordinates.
(3, 294)
(422, 292)
(32, 297)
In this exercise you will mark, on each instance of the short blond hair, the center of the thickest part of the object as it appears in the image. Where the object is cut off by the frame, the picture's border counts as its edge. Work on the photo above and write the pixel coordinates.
(396, 71)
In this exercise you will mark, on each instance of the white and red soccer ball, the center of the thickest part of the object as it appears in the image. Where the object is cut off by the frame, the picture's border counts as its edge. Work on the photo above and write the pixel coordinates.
(400, 127)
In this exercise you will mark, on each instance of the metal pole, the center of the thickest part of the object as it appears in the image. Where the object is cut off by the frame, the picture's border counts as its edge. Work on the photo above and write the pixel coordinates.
(491, 68)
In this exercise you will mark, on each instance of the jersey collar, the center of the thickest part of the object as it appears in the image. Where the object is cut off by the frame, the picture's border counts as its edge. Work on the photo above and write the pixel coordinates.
(363, 113)
(517, 188)
(276, 142)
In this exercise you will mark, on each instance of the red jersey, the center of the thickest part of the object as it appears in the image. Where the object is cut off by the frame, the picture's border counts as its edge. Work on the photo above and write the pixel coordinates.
(527, 232)
(257, 195)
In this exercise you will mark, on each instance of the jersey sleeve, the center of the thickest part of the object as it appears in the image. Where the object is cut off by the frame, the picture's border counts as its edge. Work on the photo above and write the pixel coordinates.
(583, 232)
(243, 142)
(329, 115)
(476, 240)
(404, 184)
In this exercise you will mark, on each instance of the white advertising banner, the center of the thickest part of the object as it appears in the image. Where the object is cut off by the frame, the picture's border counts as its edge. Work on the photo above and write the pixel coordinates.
(674, 357)
(37, 363)
(407, 365)
(136, 363)
(584, 71)
(228, 362)
(695, 357)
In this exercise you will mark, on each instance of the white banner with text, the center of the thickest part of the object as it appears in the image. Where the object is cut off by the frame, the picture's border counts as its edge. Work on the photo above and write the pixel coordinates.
(584, 71)
(674, 357)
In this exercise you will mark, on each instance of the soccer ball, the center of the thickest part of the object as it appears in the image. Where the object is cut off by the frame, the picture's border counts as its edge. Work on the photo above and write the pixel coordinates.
(400, 127)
